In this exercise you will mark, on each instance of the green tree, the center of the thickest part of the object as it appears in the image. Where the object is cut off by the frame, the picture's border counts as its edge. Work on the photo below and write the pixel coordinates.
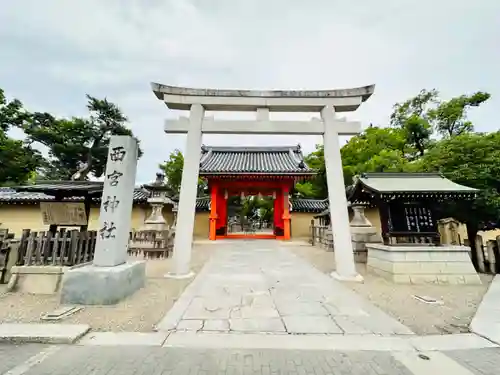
(77, 144)
(17, 160)
(266, 209)
(316, 160)
(304, 189)
(374, 150)
(450, 117)
(412, 117)
(471, 159)
(173, 173)
(173, 170)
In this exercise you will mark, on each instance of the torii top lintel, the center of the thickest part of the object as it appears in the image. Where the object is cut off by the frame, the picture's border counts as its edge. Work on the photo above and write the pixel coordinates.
(344, 100)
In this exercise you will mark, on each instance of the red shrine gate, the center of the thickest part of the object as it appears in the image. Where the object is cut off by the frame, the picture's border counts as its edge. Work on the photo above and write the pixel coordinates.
(222, 189)
(269, 171)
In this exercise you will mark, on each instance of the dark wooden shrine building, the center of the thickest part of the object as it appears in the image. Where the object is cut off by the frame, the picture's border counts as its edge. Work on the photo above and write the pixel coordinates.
(408, 203)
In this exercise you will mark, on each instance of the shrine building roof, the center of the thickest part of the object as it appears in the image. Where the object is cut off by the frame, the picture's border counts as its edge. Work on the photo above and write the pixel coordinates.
(414, 185)
(271, 160)
(35, 193)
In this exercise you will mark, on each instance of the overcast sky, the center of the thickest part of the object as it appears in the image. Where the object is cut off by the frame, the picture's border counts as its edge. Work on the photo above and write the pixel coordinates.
(53, 52)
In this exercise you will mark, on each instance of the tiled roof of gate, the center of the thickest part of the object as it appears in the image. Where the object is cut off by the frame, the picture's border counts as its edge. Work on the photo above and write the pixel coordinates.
(253, 160)
(298, 205)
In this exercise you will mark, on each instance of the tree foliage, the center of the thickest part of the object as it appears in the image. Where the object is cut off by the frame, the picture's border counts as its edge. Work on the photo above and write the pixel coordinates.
(450, 117)
(173, 173)
(470, 159)
(402, 146)
(77, 144)
(17, 160)
(74, 145)
(173, 170)
(412, 117)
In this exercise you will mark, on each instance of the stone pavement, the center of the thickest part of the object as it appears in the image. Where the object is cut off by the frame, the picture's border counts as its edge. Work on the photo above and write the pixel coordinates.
(486, 322)
(261, 287)
(37, 359)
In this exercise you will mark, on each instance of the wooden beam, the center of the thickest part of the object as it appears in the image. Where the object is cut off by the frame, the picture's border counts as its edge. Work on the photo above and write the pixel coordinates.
(312, 127)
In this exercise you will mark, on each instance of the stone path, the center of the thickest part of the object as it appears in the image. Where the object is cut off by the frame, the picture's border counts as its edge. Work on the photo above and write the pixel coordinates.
(486, 322)
(261, 287)
(124, 360)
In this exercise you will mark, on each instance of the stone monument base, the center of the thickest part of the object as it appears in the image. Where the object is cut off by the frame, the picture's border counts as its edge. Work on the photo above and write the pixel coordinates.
(91, 285)
(419, 264)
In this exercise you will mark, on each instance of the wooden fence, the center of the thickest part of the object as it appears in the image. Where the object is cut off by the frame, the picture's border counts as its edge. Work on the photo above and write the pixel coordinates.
(5, 238)
(64, 248)
(321, 235)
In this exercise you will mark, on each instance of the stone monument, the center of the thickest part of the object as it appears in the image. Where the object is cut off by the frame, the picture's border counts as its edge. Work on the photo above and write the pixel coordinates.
(110, 278)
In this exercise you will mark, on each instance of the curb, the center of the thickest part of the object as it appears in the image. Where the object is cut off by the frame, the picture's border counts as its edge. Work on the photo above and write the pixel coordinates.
(19, 333)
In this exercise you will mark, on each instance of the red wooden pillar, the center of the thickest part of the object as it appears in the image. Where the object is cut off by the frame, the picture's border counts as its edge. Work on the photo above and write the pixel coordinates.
(213, 211)
(286, 214)
(278, 214)
(221, 212)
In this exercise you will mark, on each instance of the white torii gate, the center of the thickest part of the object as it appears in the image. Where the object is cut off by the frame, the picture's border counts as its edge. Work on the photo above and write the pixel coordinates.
(326, 102)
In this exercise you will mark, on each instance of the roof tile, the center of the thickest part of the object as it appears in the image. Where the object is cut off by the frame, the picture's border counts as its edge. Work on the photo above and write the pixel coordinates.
(298, 205)
(11, 196)
(244, 160)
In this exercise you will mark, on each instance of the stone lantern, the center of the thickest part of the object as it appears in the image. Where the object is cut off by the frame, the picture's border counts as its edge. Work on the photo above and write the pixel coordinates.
(158, 198)
(362, 232)
(155, 238)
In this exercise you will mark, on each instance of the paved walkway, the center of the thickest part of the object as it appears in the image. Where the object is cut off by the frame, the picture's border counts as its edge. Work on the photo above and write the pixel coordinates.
(486, 322)
(256, 308)
(261, 287)
(124, 360)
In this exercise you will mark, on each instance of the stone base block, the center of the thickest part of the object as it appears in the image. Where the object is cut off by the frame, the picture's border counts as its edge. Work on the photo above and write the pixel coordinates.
(37, 279)
(179, 276)
(422, 264)
(357, 278)
(93, 285)
(360, 256)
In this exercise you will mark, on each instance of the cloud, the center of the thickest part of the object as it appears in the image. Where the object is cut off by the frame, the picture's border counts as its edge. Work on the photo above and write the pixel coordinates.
(56, 51)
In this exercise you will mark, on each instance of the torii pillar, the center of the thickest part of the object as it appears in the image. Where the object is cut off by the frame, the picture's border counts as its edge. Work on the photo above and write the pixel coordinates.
(325, 102)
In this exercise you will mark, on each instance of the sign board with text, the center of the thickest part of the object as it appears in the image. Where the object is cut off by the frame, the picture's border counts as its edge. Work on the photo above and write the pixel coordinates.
(63, 213)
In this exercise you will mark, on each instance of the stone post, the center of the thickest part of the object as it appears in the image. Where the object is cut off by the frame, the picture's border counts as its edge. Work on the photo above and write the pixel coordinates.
(187, 199)
(110, 278)
(490, 246)
(344, 257)
(448, 229)
(479, 252)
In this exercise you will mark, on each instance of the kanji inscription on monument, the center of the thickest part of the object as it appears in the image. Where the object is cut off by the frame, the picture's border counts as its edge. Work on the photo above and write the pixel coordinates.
(116, 202)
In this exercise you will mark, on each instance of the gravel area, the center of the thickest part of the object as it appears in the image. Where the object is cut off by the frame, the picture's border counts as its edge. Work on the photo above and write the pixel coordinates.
(140, 312)
(460, 302)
